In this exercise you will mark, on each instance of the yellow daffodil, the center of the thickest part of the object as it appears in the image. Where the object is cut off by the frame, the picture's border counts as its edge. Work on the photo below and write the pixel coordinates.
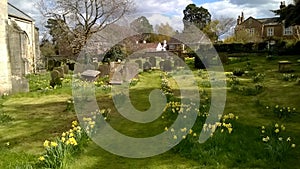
(63, 139)
(262, 127)
(277, 131)
(236, 117)
(41, 158)
(229, 130)
(172, 130)
(46, 144)
(63, 134)
(276, 125)
(183, 137)
(183, 129)
(282, 127)
(266, 139)
(280, 138)
(166, 129)
(74, 123)
(191, 131)
(293, 145)
(175, 137)
(195, 134)
(71, 135)
(263, 131)
(72, 141)
(53, 144)
(222, 130)
(289, 139)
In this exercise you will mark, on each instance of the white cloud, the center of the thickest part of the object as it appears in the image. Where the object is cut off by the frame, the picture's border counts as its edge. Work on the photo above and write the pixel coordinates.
(171, 11)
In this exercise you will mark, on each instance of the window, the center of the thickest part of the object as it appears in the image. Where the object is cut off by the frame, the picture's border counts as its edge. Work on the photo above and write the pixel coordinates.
(252, 31)
(270, 31)
(288, 31)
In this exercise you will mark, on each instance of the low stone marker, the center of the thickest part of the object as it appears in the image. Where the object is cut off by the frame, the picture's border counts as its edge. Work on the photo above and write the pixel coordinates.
(90, 75)
(284, 66)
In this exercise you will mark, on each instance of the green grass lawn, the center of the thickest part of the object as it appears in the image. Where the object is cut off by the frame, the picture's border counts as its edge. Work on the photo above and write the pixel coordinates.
(42, 114)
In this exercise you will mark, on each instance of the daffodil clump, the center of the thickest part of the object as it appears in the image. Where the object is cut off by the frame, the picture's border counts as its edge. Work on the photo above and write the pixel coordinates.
(70, 105)
(281, 111)
(165, 86)
(63, 147)
(276, 141)
(225, 125)
(134, 81)
(91, 121)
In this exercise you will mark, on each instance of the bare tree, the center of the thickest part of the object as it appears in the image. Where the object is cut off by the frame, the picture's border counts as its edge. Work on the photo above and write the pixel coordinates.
(77, 20)
(220, 26)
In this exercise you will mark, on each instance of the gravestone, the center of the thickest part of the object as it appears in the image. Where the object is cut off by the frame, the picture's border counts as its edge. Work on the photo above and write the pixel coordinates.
(131, 71)
(66, 69)
(104, 70)
(146, 66)
(116, 78)
(140, 64)
(167, 66)
(284, 66)
(60, 70)
(161, 65)
(152, 61)
(90, 75)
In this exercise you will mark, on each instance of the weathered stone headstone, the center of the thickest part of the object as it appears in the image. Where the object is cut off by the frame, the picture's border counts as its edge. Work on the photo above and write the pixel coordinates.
(146, 66)
(131, 71)
(60, 70)
(152, 61)
(284, 66)
(167, 66)
(161, 65)
(66, 69)
(116, 78)
(140, 64)
(90, 75)
(104, 70)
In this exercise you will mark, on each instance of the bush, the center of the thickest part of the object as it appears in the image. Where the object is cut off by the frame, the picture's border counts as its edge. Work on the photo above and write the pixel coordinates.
(258, 78)
(238, 72)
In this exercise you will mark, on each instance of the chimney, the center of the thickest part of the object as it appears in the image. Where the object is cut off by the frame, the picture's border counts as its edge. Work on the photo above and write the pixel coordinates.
(238, 21)
(282, 5)
(242, 18)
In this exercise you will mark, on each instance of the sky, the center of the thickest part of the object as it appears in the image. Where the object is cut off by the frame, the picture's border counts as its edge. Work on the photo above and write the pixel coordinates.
(171, 11)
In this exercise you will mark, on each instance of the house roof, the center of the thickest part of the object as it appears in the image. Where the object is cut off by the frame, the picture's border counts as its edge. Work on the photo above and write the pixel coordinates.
(15, 12)
(269, 21)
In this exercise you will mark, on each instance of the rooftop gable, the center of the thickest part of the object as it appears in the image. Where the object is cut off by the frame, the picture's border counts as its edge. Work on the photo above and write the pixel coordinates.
(15, 12)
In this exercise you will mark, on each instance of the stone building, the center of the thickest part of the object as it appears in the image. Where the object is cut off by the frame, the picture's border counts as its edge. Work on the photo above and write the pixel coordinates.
(19, 49)
(266, 28)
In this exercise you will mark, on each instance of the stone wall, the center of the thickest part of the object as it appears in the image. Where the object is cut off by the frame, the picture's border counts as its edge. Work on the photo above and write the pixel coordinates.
(5, 73)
